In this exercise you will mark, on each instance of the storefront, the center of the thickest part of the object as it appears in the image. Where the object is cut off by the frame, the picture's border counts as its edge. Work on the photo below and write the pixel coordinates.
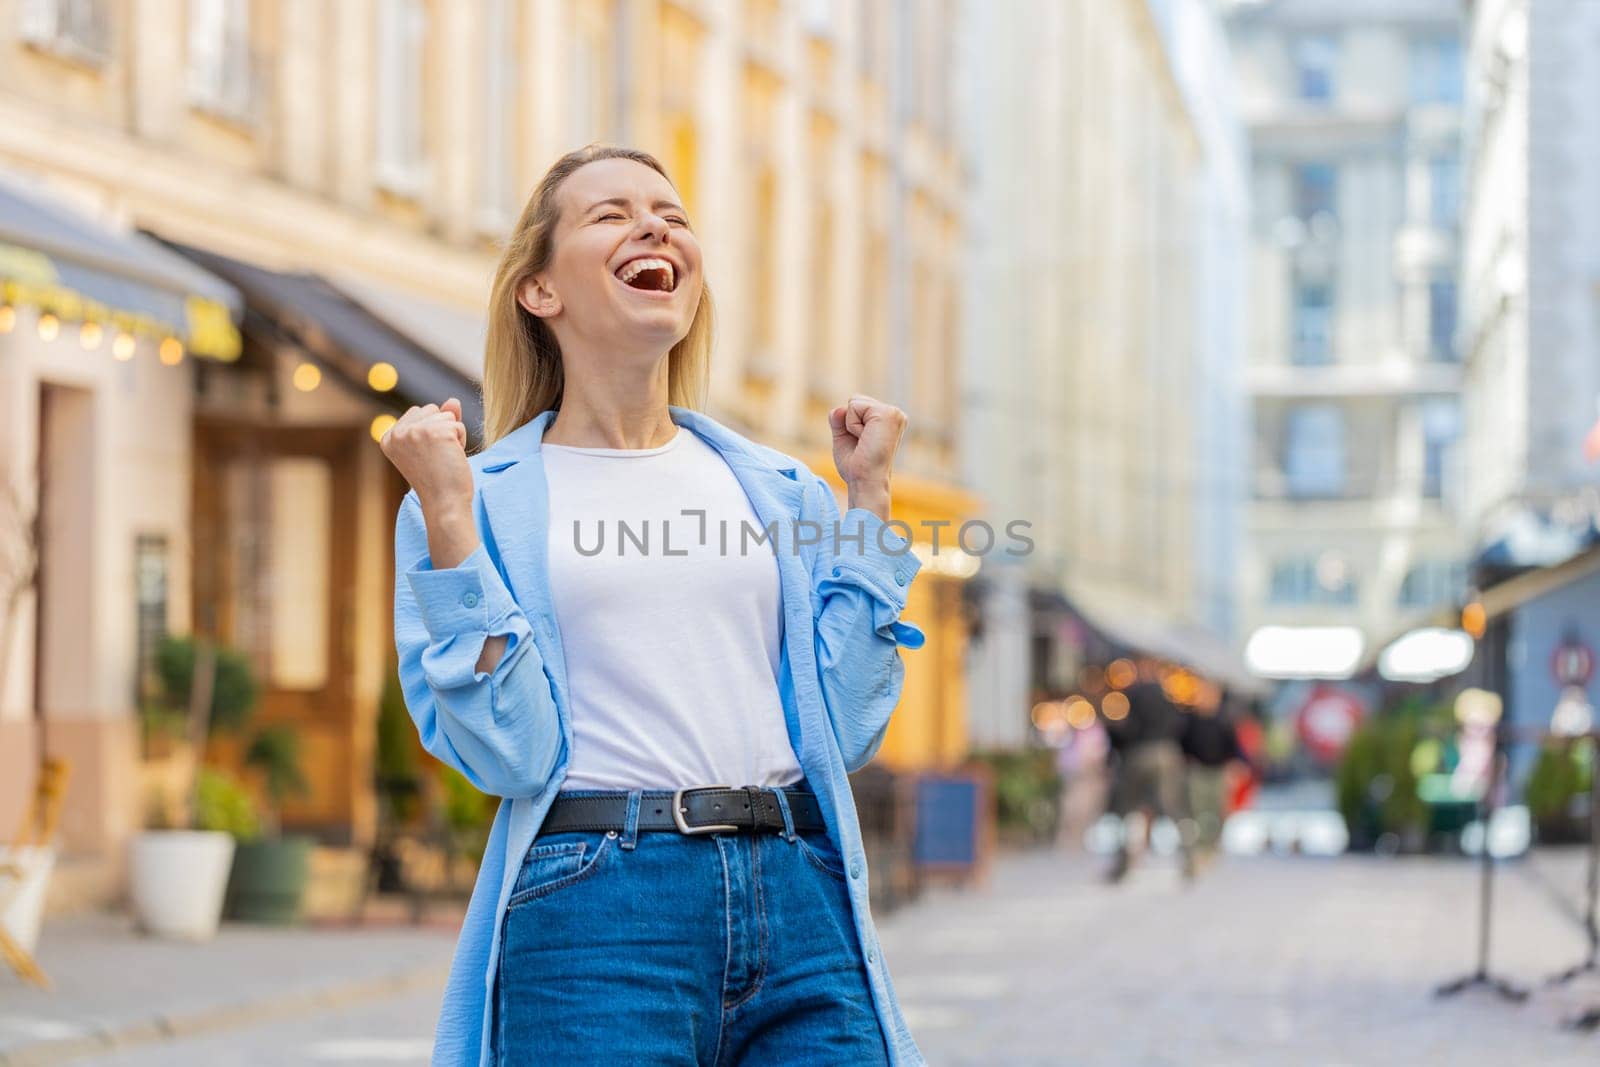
(101, 332)
(293, 515)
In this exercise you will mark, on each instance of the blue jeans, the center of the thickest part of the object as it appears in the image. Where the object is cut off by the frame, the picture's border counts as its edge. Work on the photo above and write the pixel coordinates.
(655, 948)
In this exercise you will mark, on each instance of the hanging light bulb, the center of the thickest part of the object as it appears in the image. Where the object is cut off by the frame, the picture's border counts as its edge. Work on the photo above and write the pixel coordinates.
(90, 334)
(171, 351)
(49, 326)
(383, 377)
(123, 347)
(8, 318)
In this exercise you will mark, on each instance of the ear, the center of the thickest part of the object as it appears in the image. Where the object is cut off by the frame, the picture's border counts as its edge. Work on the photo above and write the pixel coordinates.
(538, 298)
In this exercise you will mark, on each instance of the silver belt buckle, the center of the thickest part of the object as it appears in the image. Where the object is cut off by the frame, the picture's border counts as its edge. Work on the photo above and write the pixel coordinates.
(677, 812)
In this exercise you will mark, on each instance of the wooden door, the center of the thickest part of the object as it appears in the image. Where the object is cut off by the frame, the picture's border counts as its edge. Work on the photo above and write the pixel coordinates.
(274, 548)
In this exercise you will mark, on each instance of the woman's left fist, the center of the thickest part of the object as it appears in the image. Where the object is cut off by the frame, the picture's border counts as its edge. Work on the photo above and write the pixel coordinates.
(866, 433)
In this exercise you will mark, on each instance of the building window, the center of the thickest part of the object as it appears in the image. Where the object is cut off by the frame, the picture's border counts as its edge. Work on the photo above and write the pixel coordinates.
(496, 207)
(870, 37)
(151, 567)
(221, 67)
(1316, 190)
(1312, 580)
(1314, 59)
(1433, 582)
(1441, 429)
(1444, 191)
(1442, 319)
(818, 16)
(401, 165)
(1314, 451)
(765, 276)
(73, 29)
(1436, 70)
(1313, 325)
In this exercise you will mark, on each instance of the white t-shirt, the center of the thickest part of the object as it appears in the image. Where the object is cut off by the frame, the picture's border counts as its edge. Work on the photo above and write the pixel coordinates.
(673, 643)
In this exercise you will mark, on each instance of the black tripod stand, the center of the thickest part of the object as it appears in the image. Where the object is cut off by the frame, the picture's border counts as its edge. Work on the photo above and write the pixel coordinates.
(1494, 677)
(1590, 1020)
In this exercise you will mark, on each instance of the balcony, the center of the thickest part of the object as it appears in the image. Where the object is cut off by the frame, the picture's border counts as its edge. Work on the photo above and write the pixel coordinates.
(1396, 376)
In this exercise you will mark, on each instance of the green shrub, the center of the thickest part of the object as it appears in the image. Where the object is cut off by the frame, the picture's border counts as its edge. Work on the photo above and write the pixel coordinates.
(1027, 788)
(223, 803)
(1375, 780)
(275, 752)
(467, 811)
(233, 693)
(1561, 775)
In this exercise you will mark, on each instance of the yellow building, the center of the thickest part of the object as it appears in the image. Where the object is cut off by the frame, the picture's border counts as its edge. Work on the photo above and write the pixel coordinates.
(387, 145)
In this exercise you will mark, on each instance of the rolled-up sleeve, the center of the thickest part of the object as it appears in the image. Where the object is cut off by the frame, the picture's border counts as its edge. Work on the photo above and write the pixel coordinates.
(499, 728)
(861, 579)
(874, 556)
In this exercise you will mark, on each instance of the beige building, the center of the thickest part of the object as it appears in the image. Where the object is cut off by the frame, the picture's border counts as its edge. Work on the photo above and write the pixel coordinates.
(385, 145)
(1102, 367)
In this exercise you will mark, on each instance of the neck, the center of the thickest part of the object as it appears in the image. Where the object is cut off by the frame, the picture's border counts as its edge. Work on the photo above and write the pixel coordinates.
(613, 409)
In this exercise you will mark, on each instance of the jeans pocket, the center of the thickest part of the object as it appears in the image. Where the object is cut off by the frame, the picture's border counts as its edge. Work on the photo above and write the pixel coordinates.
(564, 860)
(820, 853)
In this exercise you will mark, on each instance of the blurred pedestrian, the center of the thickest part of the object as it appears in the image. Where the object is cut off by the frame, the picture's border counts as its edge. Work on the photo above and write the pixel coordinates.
(1210, 742)
(1149, 768)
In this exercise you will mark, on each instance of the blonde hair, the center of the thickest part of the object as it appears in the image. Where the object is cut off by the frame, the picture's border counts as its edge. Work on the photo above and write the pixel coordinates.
(522, 373)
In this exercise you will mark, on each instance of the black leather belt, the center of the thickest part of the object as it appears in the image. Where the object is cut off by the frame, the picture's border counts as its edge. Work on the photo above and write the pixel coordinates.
(698, 810)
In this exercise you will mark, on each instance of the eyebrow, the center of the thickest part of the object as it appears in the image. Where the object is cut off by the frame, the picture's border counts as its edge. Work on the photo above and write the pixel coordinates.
(622, 201)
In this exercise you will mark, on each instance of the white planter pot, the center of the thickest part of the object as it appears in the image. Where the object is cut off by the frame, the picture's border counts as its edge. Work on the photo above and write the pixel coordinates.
(25, 913)
(177, 879)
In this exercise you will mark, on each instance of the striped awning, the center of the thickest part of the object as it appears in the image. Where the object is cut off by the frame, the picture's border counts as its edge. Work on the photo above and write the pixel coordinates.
(57, 260)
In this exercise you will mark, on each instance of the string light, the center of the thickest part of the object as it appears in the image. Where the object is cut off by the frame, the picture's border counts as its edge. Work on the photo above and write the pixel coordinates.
(306, 377)
(380, 426)
(383, 377)
(90, 334)
(49, 326)
(123, 347)
(171, 351)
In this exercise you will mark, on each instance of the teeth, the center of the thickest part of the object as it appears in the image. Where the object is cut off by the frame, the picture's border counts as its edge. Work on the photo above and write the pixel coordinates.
(631, 269)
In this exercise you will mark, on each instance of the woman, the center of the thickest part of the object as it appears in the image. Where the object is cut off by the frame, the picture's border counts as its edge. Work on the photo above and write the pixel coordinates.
(618, 603)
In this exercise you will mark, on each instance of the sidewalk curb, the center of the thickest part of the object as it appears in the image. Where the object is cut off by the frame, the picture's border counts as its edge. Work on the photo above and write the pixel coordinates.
(162, 1027)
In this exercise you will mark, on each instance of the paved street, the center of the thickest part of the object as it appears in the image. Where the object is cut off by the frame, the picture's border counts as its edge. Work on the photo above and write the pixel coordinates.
(1268, 961)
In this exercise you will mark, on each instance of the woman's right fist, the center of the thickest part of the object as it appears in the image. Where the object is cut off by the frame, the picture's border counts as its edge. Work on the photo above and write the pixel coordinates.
(428, 446)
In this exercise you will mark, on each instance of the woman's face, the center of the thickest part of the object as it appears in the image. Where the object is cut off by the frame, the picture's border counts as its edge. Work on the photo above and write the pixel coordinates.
(618, 216)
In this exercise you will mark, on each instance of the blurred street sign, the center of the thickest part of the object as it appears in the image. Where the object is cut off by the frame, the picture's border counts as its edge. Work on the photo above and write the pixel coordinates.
(1327, 720)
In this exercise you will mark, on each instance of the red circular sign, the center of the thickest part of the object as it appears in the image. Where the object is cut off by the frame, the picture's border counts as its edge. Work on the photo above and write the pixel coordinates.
(1327, 720)
(1573, 663)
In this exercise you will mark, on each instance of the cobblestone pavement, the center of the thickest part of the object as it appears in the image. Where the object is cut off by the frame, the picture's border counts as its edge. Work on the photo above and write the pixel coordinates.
(1280, 961)
(1285, 960)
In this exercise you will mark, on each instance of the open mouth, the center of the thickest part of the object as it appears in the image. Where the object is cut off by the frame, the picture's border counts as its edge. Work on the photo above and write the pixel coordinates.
(648, 274)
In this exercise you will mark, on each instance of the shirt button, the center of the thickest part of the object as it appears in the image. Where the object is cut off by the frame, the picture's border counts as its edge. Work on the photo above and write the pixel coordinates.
(872, 955)
(900, 579)
(469, 600)
(855, 870)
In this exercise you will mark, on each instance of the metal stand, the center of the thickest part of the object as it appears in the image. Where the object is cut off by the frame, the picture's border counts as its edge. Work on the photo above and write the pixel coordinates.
(1589, 1020)
(1497, 774)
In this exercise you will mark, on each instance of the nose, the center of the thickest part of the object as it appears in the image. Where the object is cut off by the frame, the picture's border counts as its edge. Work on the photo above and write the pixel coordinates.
(656, 226)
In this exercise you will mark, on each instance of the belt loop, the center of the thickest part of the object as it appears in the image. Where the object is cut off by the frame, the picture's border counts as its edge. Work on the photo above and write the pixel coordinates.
(630, 826)
(788, 819)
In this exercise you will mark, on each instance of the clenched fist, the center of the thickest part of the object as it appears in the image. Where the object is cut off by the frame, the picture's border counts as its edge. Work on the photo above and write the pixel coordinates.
(866, 433)
(428, 445)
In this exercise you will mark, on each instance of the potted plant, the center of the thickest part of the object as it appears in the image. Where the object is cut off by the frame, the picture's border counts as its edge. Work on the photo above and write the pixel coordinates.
(270, 871)
(178, 868)
(1558, 790)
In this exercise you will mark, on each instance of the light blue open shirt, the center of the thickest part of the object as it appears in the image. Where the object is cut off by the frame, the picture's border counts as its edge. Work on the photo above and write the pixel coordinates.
(509, 730)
